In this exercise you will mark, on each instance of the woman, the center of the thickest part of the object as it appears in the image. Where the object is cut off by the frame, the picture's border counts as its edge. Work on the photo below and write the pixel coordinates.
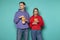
(36, 23)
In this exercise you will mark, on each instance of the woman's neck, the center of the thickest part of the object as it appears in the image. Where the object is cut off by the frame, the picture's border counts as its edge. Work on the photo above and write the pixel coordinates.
(35, 15)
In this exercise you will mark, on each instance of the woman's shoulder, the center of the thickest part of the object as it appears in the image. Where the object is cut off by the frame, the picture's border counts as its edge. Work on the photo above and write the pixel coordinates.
(40, 16)
(31, 17)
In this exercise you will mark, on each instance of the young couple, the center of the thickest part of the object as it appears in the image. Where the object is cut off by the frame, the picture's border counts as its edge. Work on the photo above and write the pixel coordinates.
(24, 22)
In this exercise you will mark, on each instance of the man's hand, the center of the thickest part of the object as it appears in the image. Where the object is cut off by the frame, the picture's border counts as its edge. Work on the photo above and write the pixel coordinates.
(21, 16)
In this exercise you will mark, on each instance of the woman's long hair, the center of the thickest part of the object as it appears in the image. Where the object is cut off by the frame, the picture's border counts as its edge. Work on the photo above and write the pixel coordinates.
(35, 9)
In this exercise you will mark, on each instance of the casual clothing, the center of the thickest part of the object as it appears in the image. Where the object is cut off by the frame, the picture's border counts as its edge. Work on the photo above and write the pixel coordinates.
(20, 32)
(22, 29)
(36, 34)
(36, 28)
(18, 21)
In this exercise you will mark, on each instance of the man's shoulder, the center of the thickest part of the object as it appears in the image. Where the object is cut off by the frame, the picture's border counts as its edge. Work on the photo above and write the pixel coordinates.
(26, 12)
(17, 12)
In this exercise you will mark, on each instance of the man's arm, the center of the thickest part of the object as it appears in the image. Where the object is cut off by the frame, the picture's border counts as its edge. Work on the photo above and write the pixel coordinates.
(28, 18)
(16, 18)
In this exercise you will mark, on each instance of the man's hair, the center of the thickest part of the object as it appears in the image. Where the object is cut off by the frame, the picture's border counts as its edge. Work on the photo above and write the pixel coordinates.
(22, 2)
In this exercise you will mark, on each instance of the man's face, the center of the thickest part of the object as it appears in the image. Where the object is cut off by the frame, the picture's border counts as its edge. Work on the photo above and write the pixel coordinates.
(22, 6)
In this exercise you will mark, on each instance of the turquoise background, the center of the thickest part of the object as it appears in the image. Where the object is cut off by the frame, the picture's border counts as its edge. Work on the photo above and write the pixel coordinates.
(49, 9)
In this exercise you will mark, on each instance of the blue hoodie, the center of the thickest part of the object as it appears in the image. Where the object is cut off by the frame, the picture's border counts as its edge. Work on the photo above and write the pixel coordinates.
(18, 22)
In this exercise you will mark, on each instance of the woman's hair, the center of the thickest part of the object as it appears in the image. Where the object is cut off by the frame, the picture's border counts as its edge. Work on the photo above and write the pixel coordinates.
(36, 9)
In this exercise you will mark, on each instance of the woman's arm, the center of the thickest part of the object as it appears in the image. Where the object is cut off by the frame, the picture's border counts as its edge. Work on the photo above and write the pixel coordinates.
(41, 22)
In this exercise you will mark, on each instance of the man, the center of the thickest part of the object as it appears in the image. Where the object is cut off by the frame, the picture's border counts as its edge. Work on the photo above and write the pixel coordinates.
(21, 20)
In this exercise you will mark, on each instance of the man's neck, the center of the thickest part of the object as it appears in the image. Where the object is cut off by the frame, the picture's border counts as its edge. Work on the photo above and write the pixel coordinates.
(22, 10)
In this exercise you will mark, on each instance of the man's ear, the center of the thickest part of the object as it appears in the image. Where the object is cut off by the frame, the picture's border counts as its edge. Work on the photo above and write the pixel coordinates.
(24, 6)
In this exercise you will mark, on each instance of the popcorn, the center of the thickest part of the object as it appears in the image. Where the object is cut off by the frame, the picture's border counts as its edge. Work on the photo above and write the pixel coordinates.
(23, 20)
(35, 20)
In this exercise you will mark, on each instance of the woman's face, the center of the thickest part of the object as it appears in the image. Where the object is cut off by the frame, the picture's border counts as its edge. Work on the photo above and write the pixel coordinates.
(35, 12)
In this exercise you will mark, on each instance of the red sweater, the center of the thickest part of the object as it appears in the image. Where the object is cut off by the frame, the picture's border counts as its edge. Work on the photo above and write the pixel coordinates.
(36, 26)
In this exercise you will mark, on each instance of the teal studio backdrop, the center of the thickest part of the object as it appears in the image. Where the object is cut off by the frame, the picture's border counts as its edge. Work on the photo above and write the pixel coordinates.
(49, 10)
